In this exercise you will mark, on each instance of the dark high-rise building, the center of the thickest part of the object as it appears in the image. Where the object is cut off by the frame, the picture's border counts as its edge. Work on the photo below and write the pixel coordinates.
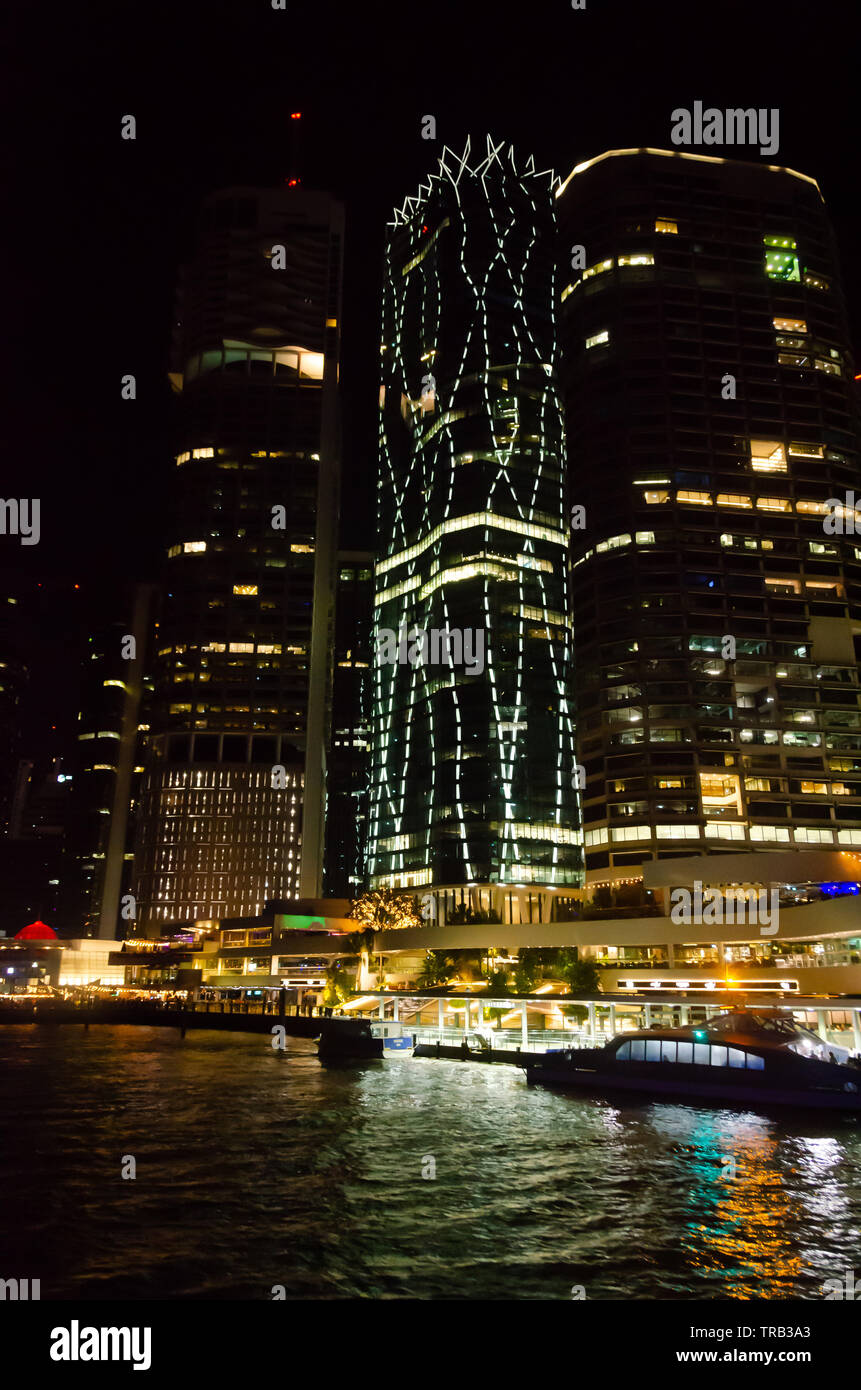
(717, 583)
(348, 764)
(232, 803)
(41, 641)
(107, 773)
(14, 679)
(472, 790)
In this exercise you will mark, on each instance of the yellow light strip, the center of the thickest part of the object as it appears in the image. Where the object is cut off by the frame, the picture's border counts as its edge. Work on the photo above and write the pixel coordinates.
(679, 154)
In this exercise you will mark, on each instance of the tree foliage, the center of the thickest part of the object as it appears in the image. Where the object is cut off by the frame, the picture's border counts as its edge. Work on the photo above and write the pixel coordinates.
(385, 910)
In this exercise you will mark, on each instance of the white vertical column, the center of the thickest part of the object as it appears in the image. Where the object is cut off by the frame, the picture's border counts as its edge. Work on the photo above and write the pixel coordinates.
(647, 1010)
(591, 1025)
(395, 1011)
(856, 1028)
(612, 1020)
(440, 1013)
(524, 1031)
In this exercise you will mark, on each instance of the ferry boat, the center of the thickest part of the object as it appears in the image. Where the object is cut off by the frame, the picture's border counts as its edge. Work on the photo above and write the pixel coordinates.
(739, 1057)
(365, 1038)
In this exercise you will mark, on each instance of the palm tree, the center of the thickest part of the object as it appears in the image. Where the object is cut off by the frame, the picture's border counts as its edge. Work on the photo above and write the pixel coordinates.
(381, 910)
(436, 969)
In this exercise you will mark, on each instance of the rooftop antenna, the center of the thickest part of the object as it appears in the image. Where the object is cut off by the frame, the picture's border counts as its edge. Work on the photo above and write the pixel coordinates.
(293, 179)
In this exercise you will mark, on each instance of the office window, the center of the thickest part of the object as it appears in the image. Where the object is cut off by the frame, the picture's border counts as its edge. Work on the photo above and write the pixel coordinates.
(781, 262)
(767, 456)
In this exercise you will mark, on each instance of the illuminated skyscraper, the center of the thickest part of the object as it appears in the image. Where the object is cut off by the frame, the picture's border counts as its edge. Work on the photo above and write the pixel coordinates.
(709, 404)
(349, 751)
(232, 802)
(472, 789)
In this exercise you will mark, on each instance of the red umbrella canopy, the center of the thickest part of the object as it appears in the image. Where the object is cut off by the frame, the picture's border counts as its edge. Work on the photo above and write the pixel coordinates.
(37, 931)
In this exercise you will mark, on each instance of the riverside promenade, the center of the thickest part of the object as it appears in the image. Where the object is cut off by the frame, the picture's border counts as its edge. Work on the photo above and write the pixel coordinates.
(228, 1016)
(232, 1016)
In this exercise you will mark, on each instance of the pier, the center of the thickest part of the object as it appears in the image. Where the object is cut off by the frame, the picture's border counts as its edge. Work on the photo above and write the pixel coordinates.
(538, 1021)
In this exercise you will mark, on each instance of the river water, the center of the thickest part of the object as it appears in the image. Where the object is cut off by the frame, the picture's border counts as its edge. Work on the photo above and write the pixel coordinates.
(258, 1169)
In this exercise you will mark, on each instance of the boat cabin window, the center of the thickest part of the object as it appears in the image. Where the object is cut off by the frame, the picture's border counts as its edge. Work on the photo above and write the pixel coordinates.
(703, 1054)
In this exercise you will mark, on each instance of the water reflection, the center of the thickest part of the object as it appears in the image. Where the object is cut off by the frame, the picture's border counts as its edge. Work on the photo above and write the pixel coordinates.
(257, 1168)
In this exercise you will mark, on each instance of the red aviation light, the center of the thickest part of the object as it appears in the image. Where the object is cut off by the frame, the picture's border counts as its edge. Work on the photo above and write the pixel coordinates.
(293, 183)
(295, 115)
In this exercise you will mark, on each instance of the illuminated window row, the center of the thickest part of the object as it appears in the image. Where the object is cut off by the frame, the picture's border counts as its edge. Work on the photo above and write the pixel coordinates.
(546, 615)
(195, 454)
(466, 523)
(614, 543)
(742, 501)
(479, 568)
(397, 843)
(601, 267)
(528, 830)
(417, 260)
(187, 548)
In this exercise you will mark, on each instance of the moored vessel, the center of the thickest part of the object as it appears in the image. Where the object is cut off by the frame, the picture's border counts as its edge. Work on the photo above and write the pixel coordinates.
(739, 1058)
(357, 1038)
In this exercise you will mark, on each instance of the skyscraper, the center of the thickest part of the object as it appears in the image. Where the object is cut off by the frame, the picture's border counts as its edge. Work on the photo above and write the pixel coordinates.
(232, 802)
(472, 786)
(711, 435)
(348, 761)
(107, 771)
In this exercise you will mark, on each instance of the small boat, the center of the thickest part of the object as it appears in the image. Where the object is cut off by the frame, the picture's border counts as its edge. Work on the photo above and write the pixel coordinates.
(365, 1038)
(739, 1058)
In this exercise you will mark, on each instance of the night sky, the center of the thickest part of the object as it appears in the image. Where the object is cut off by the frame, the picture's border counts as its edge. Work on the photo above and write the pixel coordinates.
(99, 225)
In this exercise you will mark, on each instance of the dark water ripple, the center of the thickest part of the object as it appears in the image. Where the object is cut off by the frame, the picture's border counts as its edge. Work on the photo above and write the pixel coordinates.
(257, 1168)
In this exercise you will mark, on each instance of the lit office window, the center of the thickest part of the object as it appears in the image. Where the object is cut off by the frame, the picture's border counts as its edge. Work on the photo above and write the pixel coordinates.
(781, 262)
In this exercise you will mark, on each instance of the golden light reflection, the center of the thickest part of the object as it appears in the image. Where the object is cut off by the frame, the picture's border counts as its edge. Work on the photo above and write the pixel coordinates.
(739, 1233)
